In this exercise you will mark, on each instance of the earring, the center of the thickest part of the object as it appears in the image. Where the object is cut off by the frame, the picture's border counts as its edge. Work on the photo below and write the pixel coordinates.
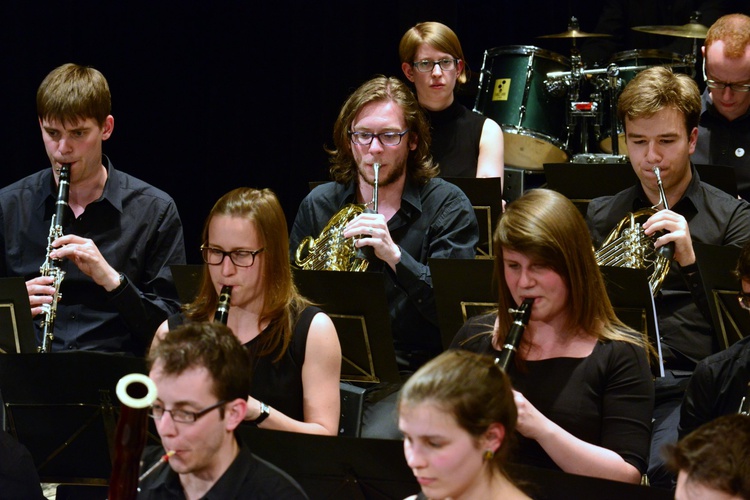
(488, 455)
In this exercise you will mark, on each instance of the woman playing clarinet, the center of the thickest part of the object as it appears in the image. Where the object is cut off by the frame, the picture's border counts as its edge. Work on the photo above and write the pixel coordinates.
(582, 381)
(294, 349)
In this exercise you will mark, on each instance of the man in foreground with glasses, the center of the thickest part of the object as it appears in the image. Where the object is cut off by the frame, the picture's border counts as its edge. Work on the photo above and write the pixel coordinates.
(202, 375)
(418, 215)
(720, 382)
(724, 130)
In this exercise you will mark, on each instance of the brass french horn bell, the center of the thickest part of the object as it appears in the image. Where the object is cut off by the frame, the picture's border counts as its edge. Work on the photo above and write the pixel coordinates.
(628, 246)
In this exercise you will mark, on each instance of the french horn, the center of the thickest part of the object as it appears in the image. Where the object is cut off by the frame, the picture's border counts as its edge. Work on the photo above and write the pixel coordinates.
(331, 251)
(628, 246)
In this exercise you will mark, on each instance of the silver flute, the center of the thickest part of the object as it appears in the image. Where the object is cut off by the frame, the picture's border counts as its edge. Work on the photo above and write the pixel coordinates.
(51, 267)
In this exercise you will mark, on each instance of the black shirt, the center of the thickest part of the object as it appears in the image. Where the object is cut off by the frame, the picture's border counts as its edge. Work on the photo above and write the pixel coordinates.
(715, 218)
(724, 142)
(435, 220)
(137, 230)
(456, 133)
(248, 477)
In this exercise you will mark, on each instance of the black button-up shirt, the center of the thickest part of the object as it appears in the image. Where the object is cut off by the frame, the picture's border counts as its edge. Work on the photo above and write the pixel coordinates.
(714, 218)
(137, 230)
(435, 220)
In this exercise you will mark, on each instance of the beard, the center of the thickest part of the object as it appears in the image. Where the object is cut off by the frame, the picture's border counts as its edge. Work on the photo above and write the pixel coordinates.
(392, 176)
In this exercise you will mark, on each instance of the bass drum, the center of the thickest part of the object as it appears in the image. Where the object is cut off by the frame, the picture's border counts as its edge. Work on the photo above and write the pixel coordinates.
(513, 92)
(631, 63)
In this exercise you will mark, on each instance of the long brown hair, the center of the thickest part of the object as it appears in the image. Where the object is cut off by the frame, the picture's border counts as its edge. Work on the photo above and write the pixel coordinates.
(545, 226)
(281, 300)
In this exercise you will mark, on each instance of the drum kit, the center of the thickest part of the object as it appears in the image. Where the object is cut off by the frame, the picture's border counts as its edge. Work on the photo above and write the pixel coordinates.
(545, 102)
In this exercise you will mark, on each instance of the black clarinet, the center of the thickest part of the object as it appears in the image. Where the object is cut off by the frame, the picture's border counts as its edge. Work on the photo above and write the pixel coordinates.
(222, 310)
(513, 339)
(51, 267)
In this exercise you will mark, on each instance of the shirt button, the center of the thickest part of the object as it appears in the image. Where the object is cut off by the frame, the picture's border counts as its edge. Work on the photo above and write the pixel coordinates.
(739, 152)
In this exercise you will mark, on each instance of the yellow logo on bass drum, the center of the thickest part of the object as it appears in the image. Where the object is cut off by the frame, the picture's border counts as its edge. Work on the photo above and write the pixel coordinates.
(501, 90)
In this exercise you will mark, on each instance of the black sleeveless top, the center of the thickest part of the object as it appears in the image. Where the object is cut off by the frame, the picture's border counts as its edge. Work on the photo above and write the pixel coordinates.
(279, 384)
(456, 133)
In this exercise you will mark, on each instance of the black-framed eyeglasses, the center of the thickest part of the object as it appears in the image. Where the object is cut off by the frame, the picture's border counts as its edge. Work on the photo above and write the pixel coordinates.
(385, 138)
(182, 416)
(240, 258)
(744, 300)
(716, 85)
(427, 66)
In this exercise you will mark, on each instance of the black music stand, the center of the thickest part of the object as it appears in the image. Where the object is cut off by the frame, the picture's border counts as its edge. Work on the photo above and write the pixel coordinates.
(62, 407)
(357, 304)
(630, 294)
(187, 280)
(335, 467)
(720, 176)
(463, 288)
(486, 196)
(17, 334)
(716, 265)
(582, 182)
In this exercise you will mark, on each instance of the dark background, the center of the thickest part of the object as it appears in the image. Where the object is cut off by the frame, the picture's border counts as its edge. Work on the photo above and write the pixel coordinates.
(213, 95)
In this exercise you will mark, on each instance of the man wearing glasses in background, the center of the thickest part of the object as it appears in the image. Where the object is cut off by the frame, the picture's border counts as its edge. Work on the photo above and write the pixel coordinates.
(419, 216)
(720, 382)
(202, 377)
(724, 130)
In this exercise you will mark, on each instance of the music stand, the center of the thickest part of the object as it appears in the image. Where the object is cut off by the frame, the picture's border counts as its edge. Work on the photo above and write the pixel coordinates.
(336, 467)
(187, 280)
(582, 182)
(716, 264)
(486, 196)
(17, 334)
(61, 406)
(630, 294)
(463, 288)
(720, 176)
(357, 304)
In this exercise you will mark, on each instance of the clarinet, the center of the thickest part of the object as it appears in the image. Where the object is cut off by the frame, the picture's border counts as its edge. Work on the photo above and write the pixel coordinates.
(51, 267)
(513, 339)
(222, 311)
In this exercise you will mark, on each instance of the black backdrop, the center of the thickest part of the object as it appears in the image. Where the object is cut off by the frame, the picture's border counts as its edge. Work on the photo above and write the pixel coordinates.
(212, 95)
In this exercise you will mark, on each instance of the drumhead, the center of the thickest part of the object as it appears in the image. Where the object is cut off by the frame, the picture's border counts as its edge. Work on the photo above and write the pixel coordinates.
(527, 50)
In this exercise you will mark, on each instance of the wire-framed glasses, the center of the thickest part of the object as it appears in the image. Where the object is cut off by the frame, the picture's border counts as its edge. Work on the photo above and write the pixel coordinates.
(182, 416)
(426, 66)
(385, 138)
(716, 85)
(240, 258)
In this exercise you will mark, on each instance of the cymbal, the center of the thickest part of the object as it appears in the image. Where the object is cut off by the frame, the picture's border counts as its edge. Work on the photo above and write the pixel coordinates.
(574, 33)
(689, 30)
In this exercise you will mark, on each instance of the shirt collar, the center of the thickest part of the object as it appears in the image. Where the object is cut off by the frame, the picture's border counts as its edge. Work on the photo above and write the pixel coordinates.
(692, 197)
(112, 192)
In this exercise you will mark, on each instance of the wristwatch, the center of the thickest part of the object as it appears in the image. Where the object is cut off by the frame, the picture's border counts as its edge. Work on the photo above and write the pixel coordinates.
(265, 411)
(123, 282)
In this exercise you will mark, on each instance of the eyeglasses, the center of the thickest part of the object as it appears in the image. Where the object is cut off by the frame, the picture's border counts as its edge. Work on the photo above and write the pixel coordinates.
(240, 258)
(426, 66)
(385, 138)
(182, 416)
(715, 85)
(744, 300)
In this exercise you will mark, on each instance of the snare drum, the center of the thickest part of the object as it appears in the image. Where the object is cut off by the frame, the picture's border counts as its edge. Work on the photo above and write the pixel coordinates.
(631, 63)
(514, 94)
